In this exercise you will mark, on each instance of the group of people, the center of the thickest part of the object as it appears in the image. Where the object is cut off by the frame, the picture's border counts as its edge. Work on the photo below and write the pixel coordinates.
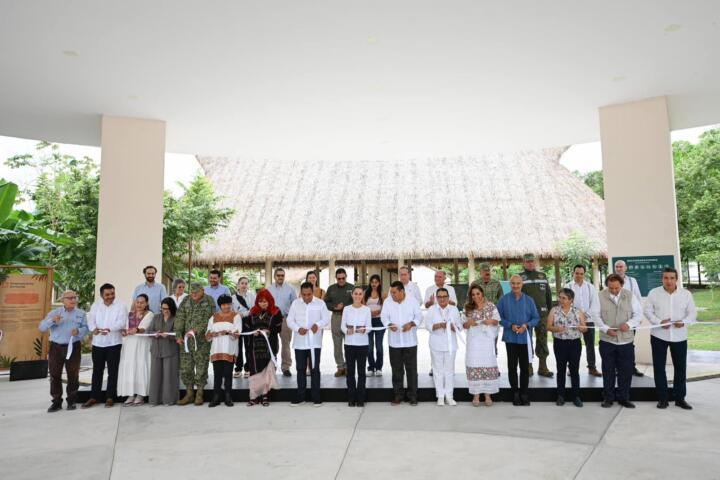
(163, 339)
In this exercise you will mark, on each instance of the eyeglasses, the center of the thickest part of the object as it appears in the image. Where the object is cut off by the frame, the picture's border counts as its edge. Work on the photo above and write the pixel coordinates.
(341, 278)
(442, 296)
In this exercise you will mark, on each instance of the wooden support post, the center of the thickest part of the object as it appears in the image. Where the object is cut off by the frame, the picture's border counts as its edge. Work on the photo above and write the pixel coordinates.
(558, 278)
(595, 272)
(456, 272)
(331, 271)
(268, 273)
(471, 269)
(504, 267)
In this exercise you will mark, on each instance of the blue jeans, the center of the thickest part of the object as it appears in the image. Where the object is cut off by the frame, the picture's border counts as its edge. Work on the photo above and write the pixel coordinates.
(375, 346)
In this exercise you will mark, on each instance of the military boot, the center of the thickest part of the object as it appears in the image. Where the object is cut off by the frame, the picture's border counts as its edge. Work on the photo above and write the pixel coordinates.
(189, 396)
(543, 369)
(199, 400)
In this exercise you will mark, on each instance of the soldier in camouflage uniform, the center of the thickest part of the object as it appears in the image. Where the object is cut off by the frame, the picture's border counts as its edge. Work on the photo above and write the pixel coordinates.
(536, 286)
(192, 316)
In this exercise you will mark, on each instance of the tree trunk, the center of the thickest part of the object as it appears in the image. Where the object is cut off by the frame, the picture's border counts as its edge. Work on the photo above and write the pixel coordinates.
(190, 261)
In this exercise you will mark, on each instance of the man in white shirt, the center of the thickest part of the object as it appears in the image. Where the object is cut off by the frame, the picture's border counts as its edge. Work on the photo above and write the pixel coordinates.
(620, 314)
(672, 307)
(242, 302)
(284, 294)
(586, 299)
(307, 318)
(443, 321)
(440, 277)
(401, 315)
(411, 288)
(630, 284)
(105, 321)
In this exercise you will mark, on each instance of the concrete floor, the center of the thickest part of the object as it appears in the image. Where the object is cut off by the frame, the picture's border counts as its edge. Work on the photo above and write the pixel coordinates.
(379, 441)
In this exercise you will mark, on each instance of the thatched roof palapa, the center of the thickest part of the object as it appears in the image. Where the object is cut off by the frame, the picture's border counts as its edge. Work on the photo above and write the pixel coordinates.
(491, 207)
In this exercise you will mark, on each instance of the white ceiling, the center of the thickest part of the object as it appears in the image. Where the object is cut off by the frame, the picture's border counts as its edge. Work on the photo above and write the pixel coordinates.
(347, 80)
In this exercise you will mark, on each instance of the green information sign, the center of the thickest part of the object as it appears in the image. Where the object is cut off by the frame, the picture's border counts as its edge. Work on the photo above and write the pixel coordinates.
(647, 270)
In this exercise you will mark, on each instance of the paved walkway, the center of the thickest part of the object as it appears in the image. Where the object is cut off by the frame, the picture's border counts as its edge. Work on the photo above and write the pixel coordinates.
(379, 441)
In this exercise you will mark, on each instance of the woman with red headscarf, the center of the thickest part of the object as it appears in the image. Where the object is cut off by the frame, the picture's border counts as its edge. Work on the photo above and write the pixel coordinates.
(265, 320)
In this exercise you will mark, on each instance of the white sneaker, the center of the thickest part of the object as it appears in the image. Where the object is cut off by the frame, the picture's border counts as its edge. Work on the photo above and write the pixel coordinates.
(440, 402)
(378, 373)
(370, 373)
(450, 401)
(130, 400)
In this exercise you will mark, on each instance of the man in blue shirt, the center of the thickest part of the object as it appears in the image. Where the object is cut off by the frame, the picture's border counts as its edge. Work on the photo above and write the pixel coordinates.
(155, 291)
(68, 326)
(518, 315)
(215, 289)
(284, 294)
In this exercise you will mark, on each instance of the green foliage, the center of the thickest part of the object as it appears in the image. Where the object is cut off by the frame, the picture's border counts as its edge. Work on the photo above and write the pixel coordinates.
(24, 240)
(594, 180)
(697, 184)
(6, 361)
(189, 221)
(66, 194)
(576, 249)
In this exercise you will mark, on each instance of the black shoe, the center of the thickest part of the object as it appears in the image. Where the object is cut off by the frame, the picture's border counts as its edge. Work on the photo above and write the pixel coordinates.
(662, 404)
(70, 406)
(360, 404)
(54, 407)
(516, 399)
(560, 401)
(215, 401)
(286, 373)
(683, 404)
(577, 402)
(525, 400)
(637, 372)
(606, 404)
(396, 401)
(351, 404)
(626, 403)
(228, 400)
(430, 373)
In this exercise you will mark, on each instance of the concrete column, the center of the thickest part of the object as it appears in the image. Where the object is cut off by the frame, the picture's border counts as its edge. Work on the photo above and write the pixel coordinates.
(131, 201)
(471, 269)
(639, 180)
(268, 272)
(331, 271)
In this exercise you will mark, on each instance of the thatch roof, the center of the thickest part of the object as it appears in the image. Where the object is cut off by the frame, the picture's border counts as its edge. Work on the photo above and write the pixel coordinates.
(492, 207)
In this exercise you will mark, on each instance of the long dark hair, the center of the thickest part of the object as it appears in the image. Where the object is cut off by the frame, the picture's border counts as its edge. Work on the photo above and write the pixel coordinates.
(470, 304)
(368, 290)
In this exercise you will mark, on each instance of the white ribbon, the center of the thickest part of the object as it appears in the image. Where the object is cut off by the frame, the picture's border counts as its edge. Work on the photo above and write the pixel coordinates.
(267, 341)
(187, 336)
(69, 349)
(644, 327)
(153, 334)
(1, 335)
(531, 351)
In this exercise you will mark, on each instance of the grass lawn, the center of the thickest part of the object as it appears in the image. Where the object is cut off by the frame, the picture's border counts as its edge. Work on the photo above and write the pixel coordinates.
(706, 338)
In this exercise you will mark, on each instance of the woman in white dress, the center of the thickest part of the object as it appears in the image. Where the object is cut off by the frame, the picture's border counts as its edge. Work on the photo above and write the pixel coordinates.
(481, 323)
(134, 374)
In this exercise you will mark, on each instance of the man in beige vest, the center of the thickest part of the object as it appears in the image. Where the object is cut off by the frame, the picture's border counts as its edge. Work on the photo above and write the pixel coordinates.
(620, 314)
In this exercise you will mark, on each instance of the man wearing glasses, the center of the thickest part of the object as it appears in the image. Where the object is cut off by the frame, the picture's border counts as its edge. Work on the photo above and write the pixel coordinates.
(284, 294)
(68, 326)
(337, 297)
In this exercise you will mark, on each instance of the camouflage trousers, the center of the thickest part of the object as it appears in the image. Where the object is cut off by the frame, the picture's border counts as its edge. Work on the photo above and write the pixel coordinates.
(541, 341)
(194, 365)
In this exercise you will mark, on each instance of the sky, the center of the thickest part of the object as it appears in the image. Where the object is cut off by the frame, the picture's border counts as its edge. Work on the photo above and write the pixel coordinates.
(584, 158)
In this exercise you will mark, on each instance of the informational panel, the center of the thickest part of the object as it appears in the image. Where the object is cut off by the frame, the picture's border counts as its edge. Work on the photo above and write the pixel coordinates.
(647, 270)
(24, 301)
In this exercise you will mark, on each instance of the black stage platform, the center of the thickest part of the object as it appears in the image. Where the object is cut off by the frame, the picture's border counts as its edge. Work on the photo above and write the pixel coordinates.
(379, 389)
